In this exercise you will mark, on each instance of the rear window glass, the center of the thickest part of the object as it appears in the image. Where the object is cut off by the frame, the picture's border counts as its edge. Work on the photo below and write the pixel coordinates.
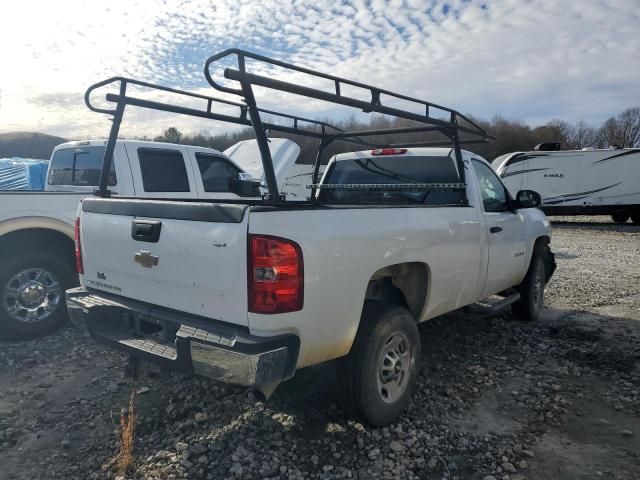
(163, 170)
(79, 167)
(393, 170)
(216, 172)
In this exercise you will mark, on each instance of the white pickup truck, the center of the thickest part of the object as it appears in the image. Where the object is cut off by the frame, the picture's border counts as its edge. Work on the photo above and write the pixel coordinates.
(249, 291)
(37, 228)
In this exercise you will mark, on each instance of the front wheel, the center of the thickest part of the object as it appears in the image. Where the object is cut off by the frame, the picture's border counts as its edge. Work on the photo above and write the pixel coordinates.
(379, 376)
(620, 217)
(32, 286)
(531, 290)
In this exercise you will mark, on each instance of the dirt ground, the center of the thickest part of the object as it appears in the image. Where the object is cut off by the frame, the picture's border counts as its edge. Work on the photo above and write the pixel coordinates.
(497, 398)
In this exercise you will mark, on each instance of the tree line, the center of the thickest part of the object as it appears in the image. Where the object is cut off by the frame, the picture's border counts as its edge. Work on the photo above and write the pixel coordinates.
(622, 130)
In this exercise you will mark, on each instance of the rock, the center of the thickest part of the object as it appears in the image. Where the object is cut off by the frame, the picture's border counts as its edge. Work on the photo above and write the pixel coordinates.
(198, 449)
(65, 444)
(489, 477)
(143, 390)
(517, 476)
(236, 469)
(627, 433)
(556, 388)
(523, 464)
(375, 453)
(508, 467)
(529, 453)
(181, 446)
(201, 417)
(396, 446)
(112, 388)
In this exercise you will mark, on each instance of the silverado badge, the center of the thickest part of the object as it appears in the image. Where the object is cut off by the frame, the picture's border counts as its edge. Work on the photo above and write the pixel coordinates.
(145, 259)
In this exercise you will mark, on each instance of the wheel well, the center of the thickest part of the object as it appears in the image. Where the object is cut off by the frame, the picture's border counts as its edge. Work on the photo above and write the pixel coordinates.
(38, 239)
(541, 242)
(404, 284)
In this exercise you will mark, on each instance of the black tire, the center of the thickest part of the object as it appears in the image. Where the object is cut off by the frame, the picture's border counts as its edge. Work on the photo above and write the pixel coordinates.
(620, 217)
(532, 289)
(51, 312)
(386, 331)
(635, 218)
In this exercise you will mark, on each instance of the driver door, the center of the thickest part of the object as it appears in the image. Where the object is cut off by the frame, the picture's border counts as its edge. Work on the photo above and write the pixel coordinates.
(506, 234)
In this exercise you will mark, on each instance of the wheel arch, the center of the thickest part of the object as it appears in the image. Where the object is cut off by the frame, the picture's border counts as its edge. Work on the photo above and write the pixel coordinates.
(43, 234)
(406, 284)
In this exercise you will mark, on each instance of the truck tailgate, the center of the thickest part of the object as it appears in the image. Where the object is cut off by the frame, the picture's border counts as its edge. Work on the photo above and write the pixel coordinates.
(197, 264)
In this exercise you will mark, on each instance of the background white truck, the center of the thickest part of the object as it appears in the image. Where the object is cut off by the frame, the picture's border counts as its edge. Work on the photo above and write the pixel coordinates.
(37, 228)
(249, 291)
(578, 182)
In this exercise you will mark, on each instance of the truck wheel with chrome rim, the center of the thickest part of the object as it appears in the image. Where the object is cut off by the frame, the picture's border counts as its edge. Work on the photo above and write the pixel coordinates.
(32, 287)
(378, 377)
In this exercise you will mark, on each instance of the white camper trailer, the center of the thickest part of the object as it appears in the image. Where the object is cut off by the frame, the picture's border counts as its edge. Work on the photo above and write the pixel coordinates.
(577, 182)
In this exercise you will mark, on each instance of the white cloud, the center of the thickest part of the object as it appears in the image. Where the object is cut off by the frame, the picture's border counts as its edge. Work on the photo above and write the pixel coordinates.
(532, 60)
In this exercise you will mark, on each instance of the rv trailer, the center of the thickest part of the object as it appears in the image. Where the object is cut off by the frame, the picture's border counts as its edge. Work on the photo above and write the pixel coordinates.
(577, 182)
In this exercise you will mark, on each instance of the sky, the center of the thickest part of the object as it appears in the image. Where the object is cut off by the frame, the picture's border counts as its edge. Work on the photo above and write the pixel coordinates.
(531, 61)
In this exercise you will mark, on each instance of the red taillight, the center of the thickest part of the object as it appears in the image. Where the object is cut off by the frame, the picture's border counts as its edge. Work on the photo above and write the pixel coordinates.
(276, 279)
(388, 151)
(79, 266)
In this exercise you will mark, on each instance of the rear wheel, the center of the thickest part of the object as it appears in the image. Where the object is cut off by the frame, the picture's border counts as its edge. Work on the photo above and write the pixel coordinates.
(532, 290)
(32, 287)
(378, 377)
(635, 219)
(620, 217)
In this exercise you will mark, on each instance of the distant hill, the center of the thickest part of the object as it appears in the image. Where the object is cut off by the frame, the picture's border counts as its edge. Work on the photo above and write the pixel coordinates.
(28, 144)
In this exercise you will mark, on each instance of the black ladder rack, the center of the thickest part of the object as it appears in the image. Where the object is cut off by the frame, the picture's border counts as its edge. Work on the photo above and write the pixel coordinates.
(250, 115)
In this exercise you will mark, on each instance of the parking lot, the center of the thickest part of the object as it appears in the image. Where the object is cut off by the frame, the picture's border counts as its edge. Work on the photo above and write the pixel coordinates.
(497, 398)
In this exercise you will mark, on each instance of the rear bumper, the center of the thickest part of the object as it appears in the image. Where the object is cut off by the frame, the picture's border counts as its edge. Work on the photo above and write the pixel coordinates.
(176, 341)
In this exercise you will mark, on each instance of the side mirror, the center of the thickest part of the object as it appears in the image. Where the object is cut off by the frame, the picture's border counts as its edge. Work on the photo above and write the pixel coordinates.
(527, 199)
(244, 185)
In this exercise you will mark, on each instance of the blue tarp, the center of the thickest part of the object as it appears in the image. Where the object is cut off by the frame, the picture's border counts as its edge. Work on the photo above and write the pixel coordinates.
(22, 173)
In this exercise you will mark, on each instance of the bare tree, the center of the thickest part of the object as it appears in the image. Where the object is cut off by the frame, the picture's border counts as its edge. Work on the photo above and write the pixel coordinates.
(582, 135)
(630, 123)
(623, 130)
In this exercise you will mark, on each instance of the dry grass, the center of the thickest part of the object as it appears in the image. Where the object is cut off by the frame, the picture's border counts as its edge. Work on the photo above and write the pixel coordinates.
(124, 457)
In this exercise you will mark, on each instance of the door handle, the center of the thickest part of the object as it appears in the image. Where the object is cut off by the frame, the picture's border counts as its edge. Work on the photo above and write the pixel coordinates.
(495, 229)
(146, 230)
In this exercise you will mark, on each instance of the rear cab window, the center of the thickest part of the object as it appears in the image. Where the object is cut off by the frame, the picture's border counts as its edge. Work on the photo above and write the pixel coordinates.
(393, 170)
(79, 167)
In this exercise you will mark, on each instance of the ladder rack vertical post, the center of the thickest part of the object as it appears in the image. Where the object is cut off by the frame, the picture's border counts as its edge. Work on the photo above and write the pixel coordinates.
(107, 161)
(263, 142)
(324, 142)
(459, 160)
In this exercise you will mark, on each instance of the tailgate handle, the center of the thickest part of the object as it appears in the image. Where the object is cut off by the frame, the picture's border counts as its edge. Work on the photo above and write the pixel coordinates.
(146, 230)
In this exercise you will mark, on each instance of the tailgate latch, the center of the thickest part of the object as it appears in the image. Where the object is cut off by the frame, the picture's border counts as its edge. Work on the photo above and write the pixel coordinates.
(146, 259)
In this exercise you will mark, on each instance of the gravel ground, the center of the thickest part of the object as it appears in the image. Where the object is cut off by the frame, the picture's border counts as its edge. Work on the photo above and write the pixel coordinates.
(497, 399)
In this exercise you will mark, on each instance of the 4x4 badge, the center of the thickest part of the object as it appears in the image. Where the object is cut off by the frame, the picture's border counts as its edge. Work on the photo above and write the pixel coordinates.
(145, 259)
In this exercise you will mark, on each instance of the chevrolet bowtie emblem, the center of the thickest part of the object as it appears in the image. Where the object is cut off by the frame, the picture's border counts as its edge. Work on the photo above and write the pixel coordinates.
(145, 259)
